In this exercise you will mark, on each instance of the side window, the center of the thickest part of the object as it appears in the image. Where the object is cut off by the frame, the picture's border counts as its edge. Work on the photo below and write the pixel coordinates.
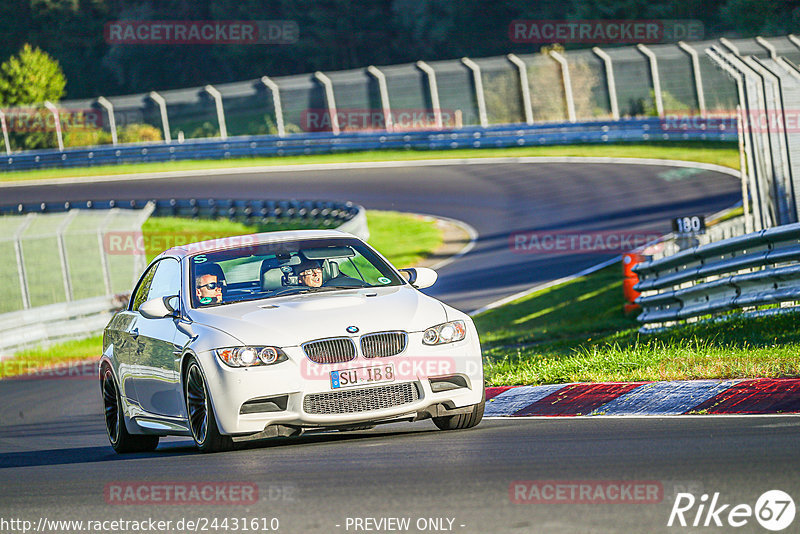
(167, 280)
(143, 288)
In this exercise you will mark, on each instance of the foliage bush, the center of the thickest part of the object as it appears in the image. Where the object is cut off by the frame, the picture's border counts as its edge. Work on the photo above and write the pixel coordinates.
(207, 129)
(139, 133)
(92, 136)
(89, 136)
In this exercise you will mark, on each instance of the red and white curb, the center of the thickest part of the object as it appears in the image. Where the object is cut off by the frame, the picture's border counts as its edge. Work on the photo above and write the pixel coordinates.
(738, 396)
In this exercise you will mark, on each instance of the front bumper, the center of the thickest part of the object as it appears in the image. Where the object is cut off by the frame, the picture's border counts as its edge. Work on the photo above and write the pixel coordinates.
(286, 390)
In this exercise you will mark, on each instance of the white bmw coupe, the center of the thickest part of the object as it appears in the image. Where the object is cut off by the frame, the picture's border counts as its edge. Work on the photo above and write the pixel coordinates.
(281, 333)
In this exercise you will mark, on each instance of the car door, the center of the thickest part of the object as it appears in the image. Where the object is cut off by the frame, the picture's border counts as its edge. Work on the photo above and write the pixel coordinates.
(123, 332)
(155, 356)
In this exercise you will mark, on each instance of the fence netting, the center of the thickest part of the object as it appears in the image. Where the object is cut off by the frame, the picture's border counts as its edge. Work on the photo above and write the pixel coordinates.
(249, 107)
(50, 258)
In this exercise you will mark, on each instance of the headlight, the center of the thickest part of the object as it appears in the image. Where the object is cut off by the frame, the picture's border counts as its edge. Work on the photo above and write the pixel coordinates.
(250, 356)
(445, 333)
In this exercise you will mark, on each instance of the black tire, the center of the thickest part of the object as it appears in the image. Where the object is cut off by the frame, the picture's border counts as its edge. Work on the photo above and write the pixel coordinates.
(202, 421)
(121, 440)
(464, 420)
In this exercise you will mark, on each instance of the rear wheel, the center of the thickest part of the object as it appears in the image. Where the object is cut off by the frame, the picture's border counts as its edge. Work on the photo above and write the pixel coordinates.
(463, 420)
(202, 421)
(121, 440)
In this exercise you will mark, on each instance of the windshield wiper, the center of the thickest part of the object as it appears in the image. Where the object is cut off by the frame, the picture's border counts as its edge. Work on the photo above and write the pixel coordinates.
(291, 291)
(298, 290)
(326, 288)
(341, 287)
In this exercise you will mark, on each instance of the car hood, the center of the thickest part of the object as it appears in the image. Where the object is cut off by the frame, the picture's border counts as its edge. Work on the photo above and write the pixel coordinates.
(292, 320)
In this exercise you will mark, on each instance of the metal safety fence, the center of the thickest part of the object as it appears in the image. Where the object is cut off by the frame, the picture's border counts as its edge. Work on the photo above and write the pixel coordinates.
(555, 86)
(752, 270)
(50, 257)
(61, 281)
(572, 85)
(768, 104)
(737, 267)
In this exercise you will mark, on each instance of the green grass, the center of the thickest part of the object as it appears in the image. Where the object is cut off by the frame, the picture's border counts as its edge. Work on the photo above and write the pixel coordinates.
(725, 154)
(576, 332)
(161, 233)
(402, 238)
(25, 361)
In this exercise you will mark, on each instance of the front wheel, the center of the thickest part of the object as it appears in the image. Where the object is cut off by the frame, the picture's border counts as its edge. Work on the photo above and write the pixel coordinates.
(121, 440)
(463, 420)
(202, 421)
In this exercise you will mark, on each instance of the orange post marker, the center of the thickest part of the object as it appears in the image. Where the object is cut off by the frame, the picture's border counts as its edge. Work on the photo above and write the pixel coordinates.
(630, 279)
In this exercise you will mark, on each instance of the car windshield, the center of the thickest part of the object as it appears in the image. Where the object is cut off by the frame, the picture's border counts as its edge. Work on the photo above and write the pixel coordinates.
(284, 268)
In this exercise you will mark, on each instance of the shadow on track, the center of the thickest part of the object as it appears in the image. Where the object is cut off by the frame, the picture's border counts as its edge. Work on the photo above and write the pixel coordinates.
(79, 455)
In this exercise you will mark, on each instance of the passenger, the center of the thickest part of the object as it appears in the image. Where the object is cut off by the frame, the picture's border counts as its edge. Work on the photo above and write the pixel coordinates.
(309, 273)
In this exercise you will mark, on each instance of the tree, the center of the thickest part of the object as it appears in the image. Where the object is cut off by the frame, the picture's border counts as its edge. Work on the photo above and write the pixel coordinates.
(27, 80)
(754, 17)
(31, 77)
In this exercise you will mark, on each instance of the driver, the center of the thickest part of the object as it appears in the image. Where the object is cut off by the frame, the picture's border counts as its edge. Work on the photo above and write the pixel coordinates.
(209, 290)
(309, 273)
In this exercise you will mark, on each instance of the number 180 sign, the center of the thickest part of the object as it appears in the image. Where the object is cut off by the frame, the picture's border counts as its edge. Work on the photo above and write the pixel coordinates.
(689, 225)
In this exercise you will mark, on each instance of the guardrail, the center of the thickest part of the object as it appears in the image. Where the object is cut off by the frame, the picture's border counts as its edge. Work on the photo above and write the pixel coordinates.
(750, 270)
(510, 135)
(56, 322)
(86, 317)
(316, 212)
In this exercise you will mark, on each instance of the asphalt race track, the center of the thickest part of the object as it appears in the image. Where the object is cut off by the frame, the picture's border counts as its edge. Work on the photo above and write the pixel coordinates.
(55, 462)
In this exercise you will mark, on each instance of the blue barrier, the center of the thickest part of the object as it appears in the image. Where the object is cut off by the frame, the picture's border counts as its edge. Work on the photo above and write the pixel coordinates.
(508, 135)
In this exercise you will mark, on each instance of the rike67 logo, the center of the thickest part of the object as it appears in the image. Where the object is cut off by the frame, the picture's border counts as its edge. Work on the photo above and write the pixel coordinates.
(774, 510)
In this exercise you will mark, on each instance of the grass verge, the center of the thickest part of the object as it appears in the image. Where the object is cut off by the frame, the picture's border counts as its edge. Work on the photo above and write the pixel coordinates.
(576, 332)
(28, 360)
(719, 153)
(402, 238)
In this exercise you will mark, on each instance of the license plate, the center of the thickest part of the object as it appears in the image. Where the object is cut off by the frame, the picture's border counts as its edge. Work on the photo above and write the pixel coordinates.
(362, 375)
